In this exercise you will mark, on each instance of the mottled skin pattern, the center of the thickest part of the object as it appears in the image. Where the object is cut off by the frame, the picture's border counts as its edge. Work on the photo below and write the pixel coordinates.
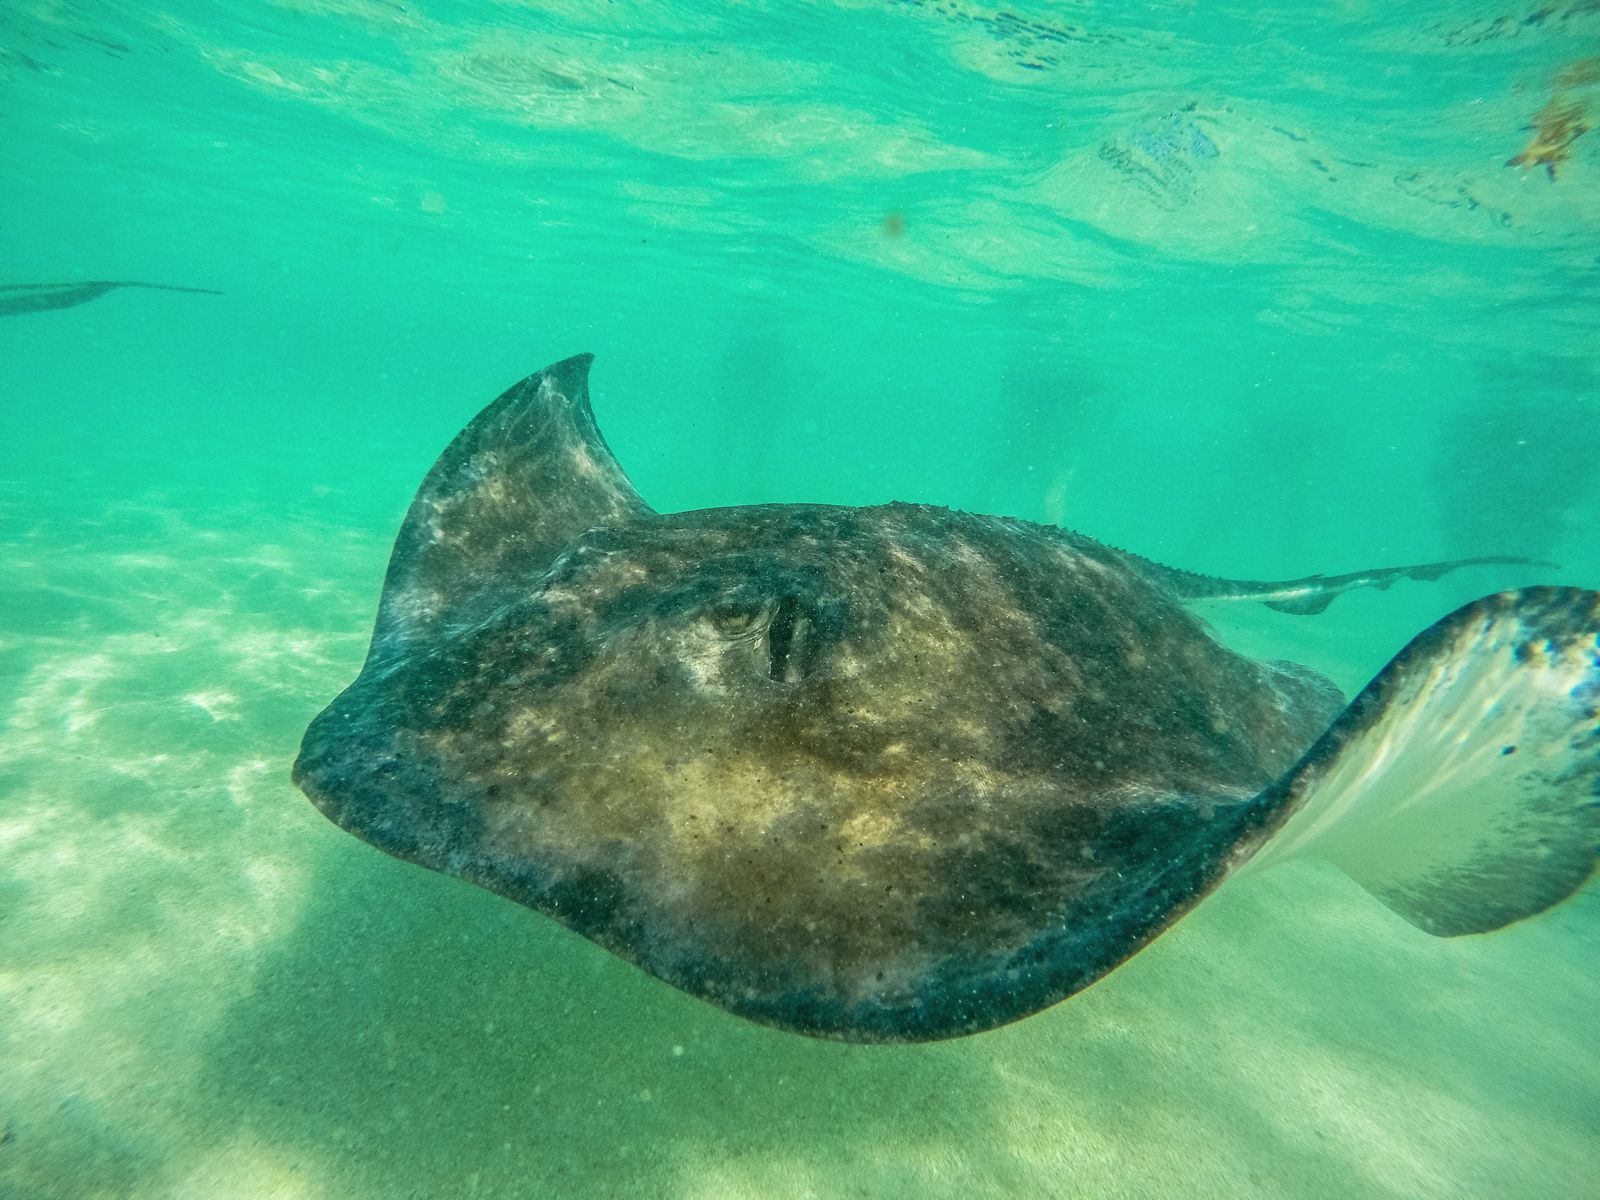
(879, 774)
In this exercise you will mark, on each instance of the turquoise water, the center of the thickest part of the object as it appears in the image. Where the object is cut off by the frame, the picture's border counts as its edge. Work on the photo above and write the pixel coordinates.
(1248, 291)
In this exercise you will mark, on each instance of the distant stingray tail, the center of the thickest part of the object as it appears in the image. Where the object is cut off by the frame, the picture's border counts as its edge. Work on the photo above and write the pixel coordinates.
(165, 287)
(1462, 786)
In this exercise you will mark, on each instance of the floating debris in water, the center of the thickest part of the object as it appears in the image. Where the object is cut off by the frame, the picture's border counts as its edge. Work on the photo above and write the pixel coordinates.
(1565, 119)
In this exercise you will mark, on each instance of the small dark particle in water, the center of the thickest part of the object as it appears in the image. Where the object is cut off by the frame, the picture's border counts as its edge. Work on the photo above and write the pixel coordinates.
(894, 224)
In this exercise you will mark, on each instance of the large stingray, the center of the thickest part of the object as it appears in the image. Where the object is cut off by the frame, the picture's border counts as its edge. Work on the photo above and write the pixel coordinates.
(901, 773)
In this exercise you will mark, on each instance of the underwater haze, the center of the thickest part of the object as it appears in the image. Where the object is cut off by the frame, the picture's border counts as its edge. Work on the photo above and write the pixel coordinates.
(1259, 290)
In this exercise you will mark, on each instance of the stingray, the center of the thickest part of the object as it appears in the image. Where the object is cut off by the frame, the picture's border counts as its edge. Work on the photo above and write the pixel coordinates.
(19, 298)
(901, 773)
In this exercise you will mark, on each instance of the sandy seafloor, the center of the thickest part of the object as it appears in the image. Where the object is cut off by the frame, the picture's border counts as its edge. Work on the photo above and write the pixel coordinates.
(210, 992)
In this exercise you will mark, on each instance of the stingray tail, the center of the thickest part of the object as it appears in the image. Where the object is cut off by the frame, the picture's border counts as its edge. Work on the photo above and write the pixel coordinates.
(1309, 594)
(1462, 786)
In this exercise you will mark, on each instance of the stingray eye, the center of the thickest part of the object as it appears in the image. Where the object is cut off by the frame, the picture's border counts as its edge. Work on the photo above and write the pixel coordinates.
(739, 618)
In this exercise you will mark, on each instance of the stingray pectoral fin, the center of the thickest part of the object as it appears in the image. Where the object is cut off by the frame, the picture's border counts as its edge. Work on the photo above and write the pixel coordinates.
(519, 485)
(1462, 787)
